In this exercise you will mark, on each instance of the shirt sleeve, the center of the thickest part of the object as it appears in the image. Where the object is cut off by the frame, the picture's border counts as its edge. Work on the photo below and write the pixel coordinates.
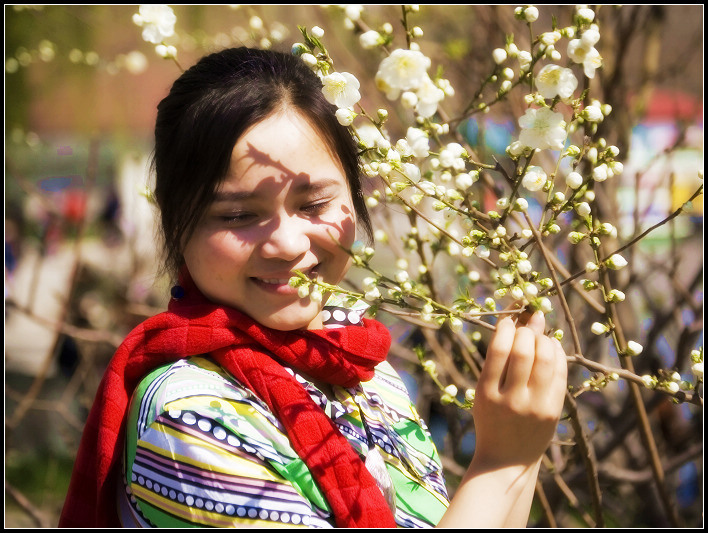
(202, 451)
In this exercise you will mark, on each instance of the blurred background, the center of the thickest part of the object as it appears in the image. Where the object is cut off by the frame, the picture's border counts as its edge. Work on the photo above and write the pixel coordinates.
(81, 264)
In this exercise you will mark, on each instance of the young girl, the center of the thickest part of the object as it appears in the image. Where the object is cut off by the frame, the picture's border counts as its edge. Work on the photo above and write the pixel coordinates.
(247, 405)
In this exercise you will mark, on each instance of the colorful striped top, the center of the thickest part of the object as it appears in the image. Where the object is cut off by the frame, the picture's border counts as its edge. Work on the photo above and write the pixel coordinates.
(202, 450)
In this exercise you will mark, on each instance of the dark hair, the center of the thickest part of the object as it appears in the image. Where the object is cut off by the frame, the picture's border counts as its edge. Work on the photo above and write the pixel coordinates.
(206, 111)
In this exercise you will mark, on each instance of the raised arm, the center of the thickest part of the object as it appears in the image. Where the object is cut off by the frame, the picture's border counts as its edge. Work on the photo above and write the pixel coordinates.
(518, 402)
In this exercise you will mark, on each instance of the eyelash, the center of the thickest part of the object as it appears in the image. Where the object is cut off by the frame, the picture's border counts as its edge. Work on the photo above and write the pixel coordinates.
(243, 218)
(316, 208)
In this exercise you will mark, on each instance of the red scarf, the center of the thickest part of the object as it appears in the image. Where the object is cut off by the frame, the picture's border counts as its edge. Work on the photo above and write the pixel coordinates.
(194, 326)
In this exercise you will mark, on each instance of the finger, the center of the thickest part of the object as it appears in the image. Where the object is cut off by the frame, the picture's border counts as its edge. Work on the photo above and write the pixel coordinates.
(498, 353)
(521, 359)
(537, 322)
(544, 365)
(561, 372)
(556, 385)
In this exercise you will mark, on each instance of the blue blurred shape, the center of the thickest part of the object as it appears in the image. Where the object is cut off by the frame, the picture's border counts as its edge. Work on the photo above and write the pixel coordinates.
(59, 183)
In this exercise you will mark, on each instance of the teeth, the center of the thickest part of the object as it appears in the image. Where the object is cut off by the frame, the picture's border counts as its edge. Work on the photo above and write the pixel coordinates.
(275, 281)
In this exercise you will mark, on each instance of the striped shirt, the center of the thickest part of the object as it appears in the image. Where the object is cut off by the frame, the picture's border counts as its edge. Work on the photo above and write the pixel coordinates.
(202, 450)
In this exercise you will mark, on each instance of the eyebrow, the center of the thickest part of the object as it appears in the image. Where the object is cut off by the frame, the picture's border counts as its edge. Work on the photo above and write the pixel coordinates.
(302, 188)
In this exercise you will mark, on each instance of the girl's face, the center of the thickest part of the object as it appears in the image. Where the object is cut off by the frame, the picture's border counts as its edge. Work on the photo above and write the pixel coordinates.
(285, 205)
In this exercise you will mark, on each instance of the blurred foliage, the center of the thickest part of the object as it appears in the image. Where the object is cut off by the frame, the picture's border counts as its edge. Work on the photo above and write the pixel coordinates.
(68, 85)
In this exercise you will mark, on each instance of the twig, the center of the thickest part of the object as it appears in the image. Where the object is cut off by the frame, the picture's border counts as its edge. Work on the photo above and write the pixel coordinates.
(588, 455)
(24, 502)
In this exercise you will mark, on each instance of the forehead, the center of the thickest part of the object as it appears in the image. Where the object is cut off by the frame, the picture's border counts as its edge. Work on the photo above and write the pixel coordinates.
(284, 141)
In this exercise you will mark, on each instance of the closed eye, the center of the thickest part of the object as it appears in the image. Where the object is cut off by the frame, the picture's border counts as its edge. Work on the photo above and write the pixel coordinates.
(316, 208)
(237, 219)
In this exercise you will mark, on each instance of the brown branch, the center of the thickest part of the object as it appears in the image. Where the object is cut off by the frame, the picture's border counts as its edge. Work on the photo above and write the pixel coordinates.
(644, 426)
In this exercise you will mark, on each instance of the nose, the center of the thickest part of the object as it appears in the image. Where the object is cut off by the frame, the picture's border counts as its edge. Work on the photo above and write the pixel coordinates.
(286, 239)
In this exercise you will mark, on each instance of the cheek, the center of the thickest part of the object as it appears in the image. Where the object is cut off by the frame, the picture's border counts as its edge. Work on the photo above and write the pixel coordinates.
(347, 226)
(213, 253)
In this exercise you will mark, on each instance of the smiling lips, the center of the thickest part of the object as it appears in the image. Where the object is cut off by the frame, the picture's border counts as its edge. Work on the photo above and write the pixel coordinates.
(282, 285)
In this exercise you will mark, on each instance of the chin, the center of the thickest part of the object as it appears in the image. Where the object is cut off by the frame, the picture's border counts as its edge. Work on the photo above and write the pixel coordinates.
(289, 321)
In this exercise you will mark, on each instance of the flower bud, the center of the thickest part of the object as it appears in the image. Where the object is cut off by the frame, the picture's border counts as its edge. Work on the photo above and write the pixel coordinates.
(615, 296)
(317, 32)
(521, 204)
(531, 14)
(309, 59)
(499, 55)
(672, 387)
(599, 328)
(456, 324)
(451, 390)
(524, 266)
(469, 395)
(649, 381)
(545, 305)
(588, 284)
(316, 295)
(616, 262)
(592, 114)
(303, 291)
(634, 348)
(697, 369)
(345, 116)
(575, 237)
(600, 173)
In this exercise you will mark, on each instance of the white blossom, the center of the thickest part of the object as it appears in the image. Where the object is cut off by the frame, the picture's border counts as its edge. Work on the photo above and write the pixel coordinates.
(369, 135)
(157, 20)
(429, 95)
(353, 11)
(524, 58)
(697, 369)
(418, 141)
(341, 89)
(464, 180)
(587, 55)
(412, 172)
(542, 128)
(554, 81)
(401, 71)
(370, 39)
(534, 179)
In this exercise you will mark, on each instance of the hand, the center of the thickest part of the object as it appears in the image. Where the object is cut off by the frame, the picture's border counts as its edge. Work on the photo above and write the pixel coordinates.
(519, 396)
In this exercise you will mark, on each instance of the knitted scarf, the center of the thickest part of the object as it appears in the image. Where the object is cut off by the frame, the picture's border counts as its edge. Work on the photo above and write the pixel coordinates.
(254, 355)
